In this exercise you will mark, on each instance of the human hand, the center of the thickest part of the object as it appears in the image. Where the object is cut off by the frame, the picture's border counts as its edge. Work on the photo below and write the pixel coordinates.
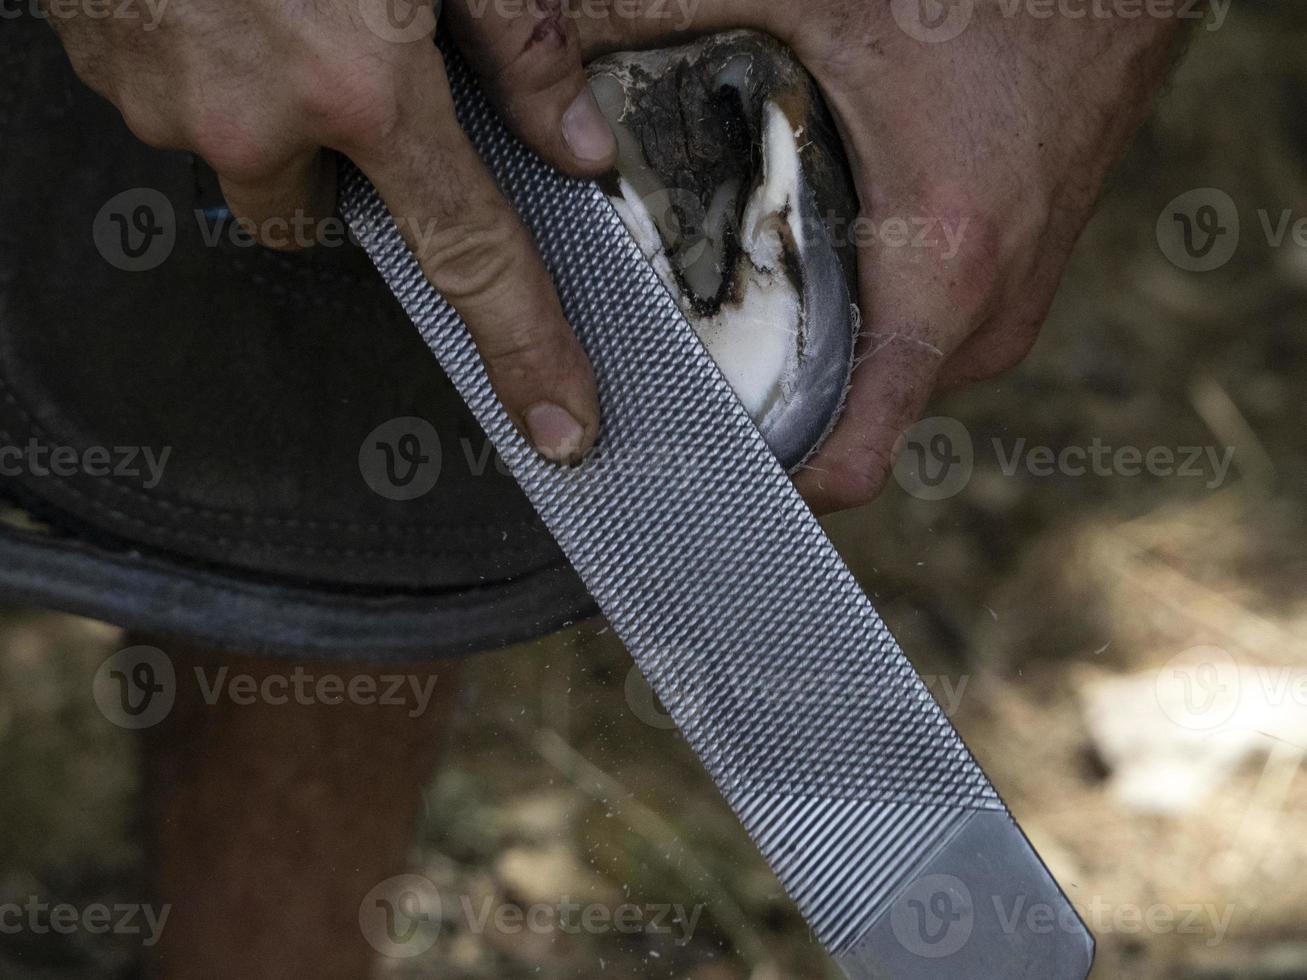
(262, 89)
(995, 143)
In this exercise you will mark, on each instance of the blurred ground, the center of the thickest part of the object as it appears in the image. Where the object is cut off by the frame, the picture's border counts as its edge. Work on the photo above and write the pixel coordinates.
(1125, 654)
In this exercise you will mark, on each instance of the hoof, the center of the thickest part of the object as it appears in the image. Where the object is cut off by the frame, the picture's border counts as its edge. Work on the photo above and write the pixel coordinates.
(732, 179)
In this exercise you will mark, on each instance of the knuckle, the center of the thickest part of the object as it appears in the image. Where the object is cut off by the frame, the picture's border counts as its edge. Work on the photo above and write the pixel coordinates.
(975, 251)
(90, 67)
(148, 125)
(230, 149)
(357, 108)
(473, 257)
(973, 282)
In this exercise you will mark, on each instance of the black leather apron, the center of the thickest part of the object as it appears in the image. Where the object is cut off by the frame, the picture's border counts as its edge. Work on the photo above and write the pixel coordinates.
(208, 439)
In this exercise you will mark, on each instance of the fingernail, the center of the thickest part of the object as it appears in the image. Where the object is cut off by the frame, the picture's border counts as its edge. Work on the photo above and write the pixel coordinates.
(586, 131)
(556, 434)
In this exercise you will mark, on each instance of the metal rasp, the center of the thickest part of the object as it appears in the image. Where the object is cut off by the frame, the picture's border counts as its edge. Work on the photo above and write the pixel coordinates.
(741, 614)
